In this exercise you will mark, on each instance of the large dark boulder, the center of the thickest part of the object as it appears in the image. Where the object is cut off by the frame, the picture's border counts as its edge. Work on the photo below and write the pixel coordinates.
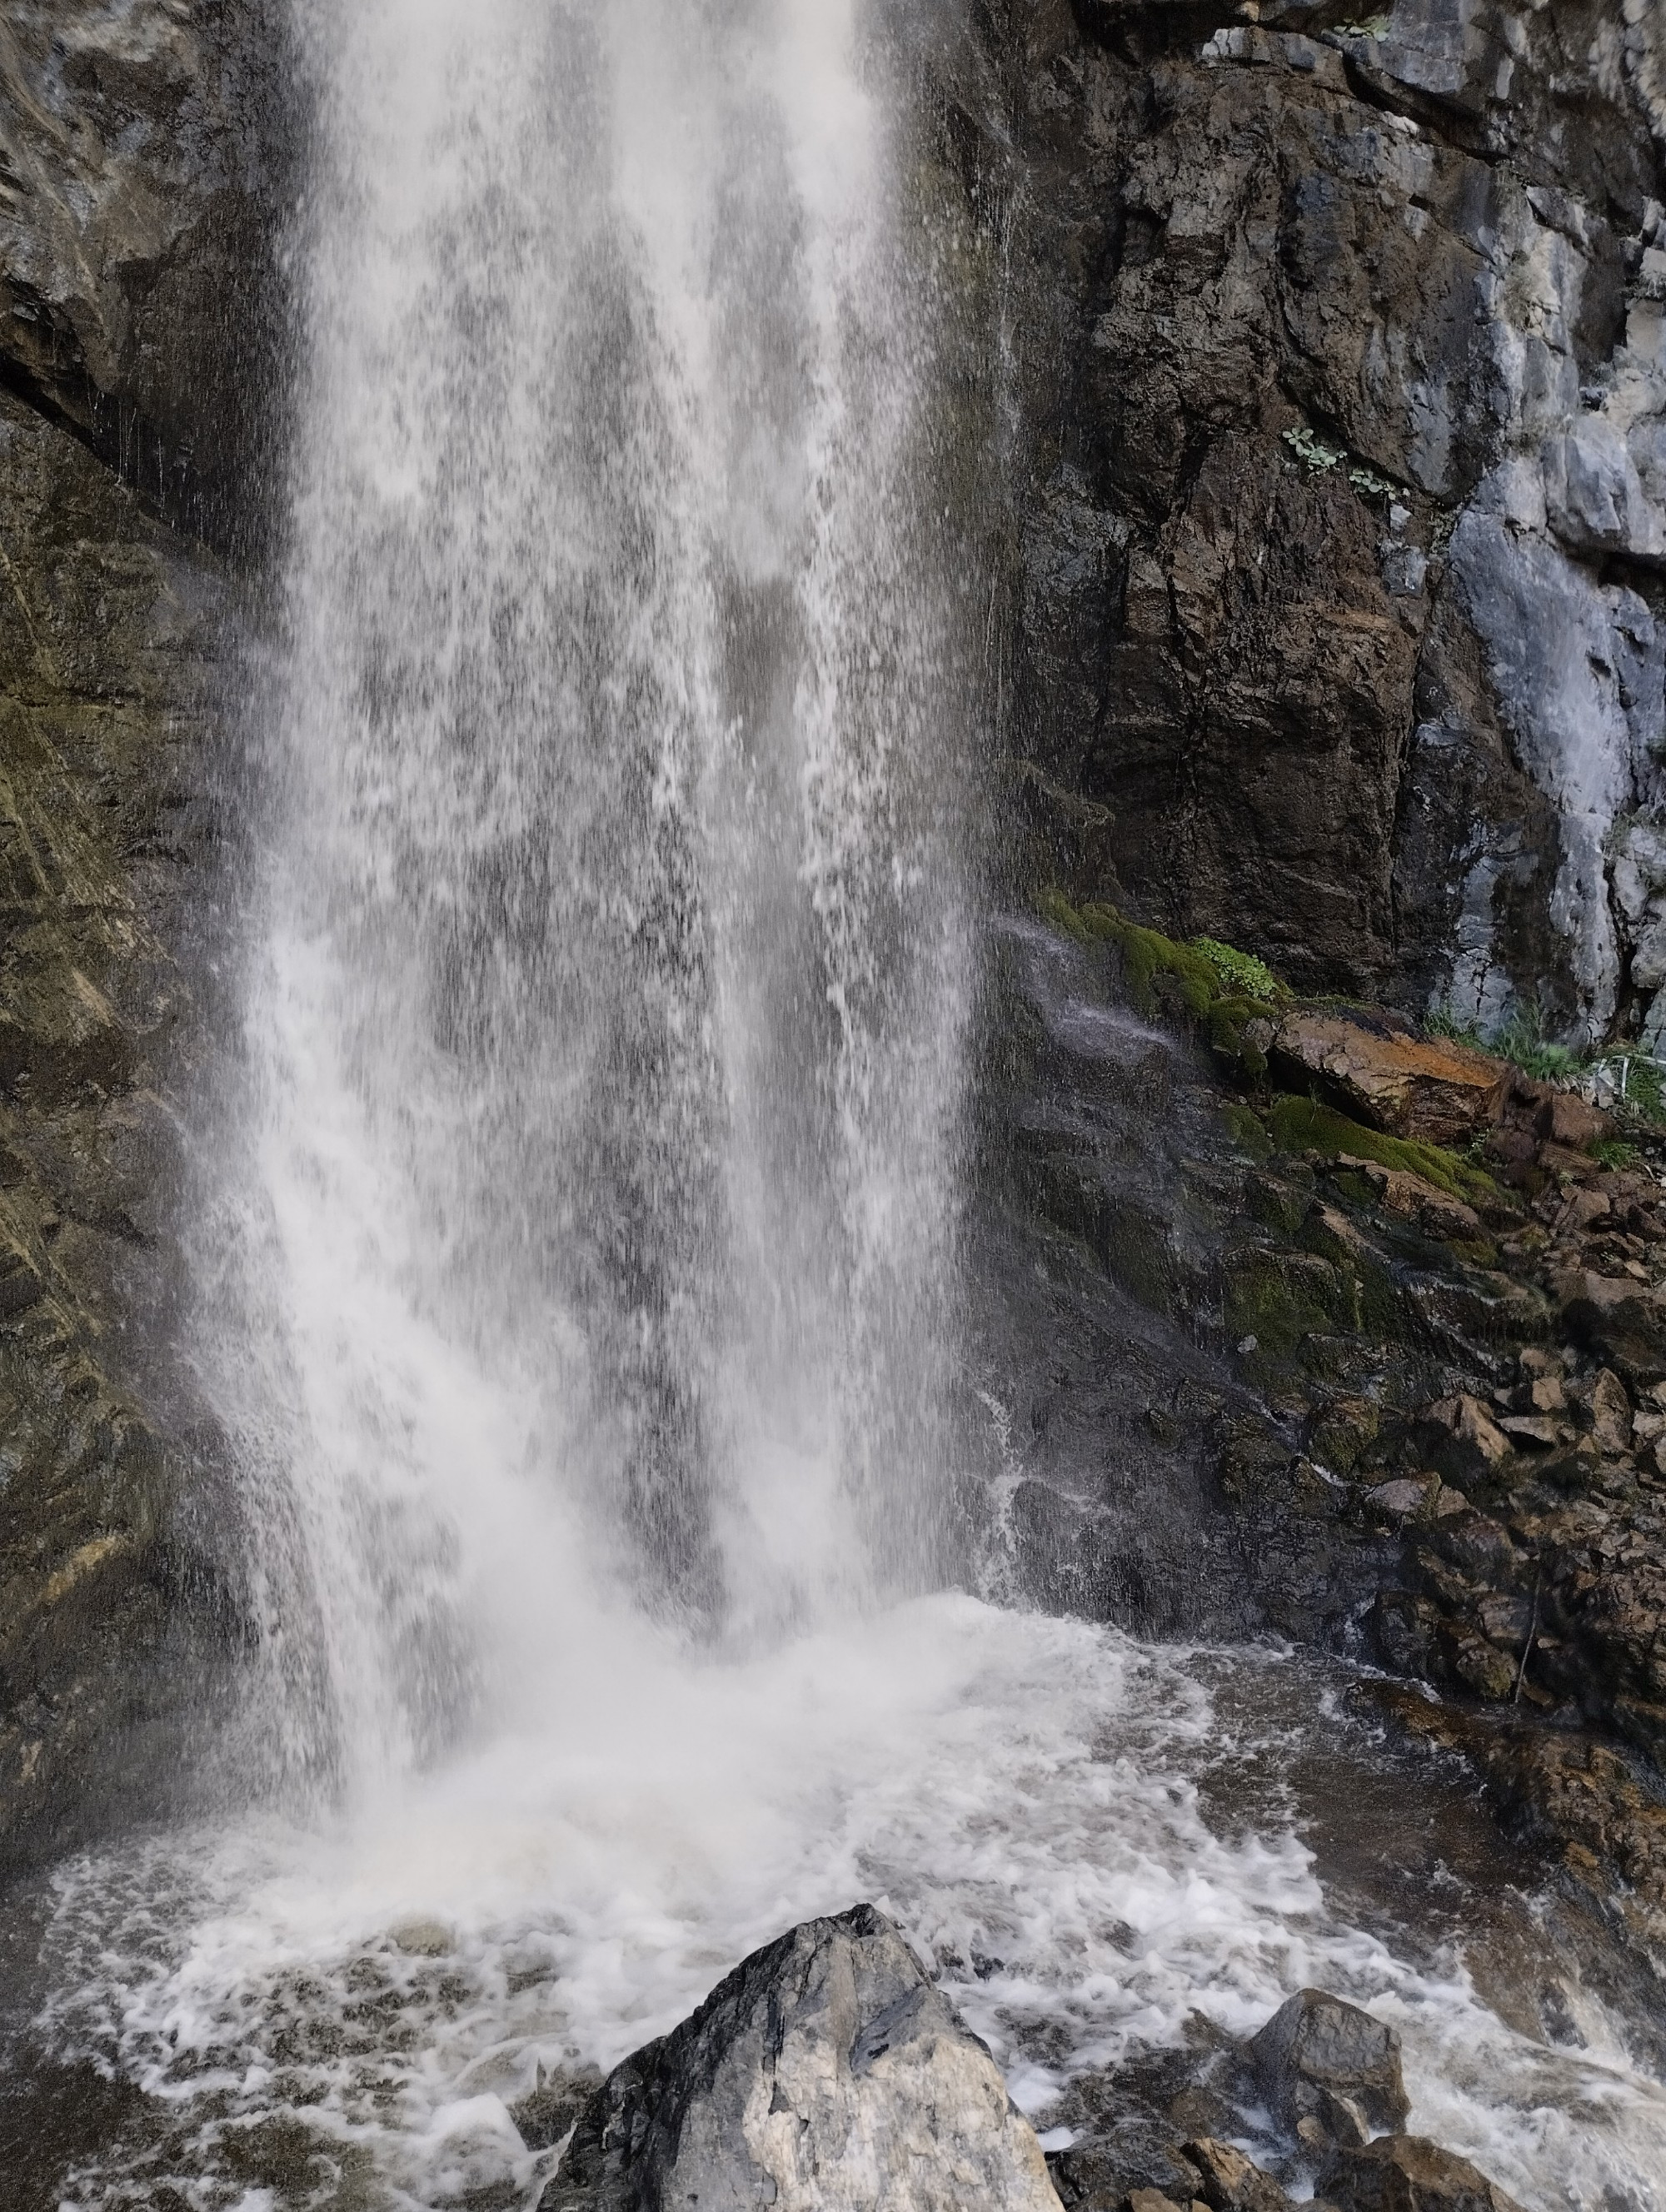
(824, 2072)
(1330, 2069)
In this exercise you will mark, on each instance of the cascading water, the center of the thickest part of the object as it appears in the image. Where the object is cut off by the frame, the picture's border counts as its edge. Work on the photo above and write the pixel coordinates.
(580, 1295)
(609, 1023)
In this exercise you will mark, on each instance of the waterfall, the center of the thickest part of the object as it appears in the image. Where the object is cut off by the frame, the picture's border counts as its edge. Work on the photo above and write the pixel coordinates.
(606, 1023)
(577, 1263)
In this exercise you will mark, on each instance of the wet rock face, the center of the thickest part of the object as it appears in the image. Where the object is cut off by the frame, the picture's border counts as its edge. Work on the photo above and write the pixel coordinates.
(1329, 2074)
(825, 2072)
(140, 189)
(108, 632)
(1407, 2173)
(1342, 579)
(136, 204)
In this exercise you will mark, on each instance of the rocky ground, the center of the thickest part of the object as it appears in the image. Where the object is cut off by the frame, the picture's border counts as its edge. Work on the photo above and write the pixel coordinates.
(825, 2071)
(1379, 1361)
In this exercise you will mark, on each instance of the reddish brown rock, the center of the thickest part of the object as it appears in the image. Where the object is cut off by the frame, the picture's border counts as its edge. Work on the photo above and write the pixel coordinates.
(1464, 1439)
(1427, 1088)
(1413, 1198)
(1565, 1118)
(1232, 2183)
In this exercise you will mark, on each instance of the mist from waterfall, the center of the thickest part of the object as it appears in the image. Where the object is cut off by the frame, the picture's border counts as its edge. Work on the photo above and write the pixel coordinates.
(607, 1022)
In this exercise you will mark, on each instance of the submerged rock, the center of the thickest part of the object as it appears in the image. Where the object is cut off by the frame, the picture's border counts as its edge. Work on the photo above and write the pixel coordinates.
(825, 2071)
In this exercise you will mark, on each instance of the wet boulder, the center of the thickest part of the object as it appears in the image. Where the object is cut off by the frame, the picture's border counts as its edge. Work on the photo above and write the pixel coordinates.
(1407, 2174)
(825, 2071)
(1232, 2183)
(1330, 2071)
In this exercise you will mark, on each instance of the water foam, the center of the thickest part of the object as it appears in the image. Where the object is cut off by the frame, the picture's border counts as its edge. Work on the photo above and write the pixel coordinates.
(1022, 1793)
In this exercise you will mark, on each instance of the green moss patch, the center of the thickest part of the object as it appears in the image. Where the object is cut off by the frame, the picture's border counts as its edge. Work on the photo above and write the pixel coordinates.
(1302, 1125)
(1223, 989)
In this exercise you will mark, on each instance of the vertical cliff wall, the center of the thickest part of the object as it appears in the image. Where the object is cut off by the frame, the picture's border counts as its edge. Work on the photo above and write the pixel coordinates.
(1340, 350)
(134, 205)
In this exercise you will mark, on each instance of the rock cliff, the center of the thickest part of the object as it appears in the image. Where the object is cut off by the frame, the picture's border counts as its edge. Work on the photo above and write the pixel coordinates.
(136, 215)
(1343, 604)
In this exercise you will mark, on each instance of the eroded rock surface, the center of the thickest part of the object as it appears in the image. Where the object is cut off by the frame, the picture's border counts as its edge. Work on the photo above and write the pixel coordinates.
(825, 2073)
(141, 195)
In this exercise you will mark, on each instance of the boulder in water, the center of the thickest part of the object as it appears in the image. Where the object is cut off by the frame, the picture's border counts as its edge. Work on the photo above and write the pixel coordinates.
(1232, 2183)
(824, 2072)
(1408, 2173)
(1330, 2070)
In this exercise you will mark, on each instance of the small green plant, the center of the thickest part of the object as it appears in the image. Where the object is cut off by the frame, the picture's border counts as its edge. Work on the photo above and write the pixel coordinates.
(1367, 481)
(1241, 973)
(1521, 1039)
(1373, 27)
(1442, 1022)
(1614, 1153)
(1312, 449)
(1646, 1090)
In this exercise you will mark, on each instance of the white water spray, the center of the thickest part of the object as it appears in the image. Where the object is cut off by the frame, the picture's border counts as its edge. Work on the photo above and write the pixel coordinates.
(608, 1030)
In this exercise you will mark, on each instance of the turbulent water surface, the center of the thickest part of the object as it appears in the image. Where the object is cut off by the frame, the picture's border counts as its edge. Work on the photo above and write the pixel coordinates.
(578, 1266)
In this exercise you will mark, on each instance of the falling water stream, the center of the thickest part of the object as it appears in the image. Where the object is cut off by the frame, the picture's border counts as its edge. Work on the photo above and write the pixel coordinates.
(580, 1291)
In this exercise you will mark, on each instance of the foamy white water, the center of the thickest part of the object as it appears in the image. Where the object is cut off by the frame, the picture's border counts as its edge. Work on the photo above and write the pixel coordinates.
(1020, 1792)
(580, 1286)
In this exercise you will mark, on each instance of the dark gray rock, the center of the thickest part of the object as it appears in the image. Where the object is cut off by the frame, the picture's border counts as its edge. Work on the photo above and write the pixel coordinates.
(1340, 355)
(1328, 2066)
(1407, 2174)
(824, 2074)
(544, 2115)
(141, 151)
